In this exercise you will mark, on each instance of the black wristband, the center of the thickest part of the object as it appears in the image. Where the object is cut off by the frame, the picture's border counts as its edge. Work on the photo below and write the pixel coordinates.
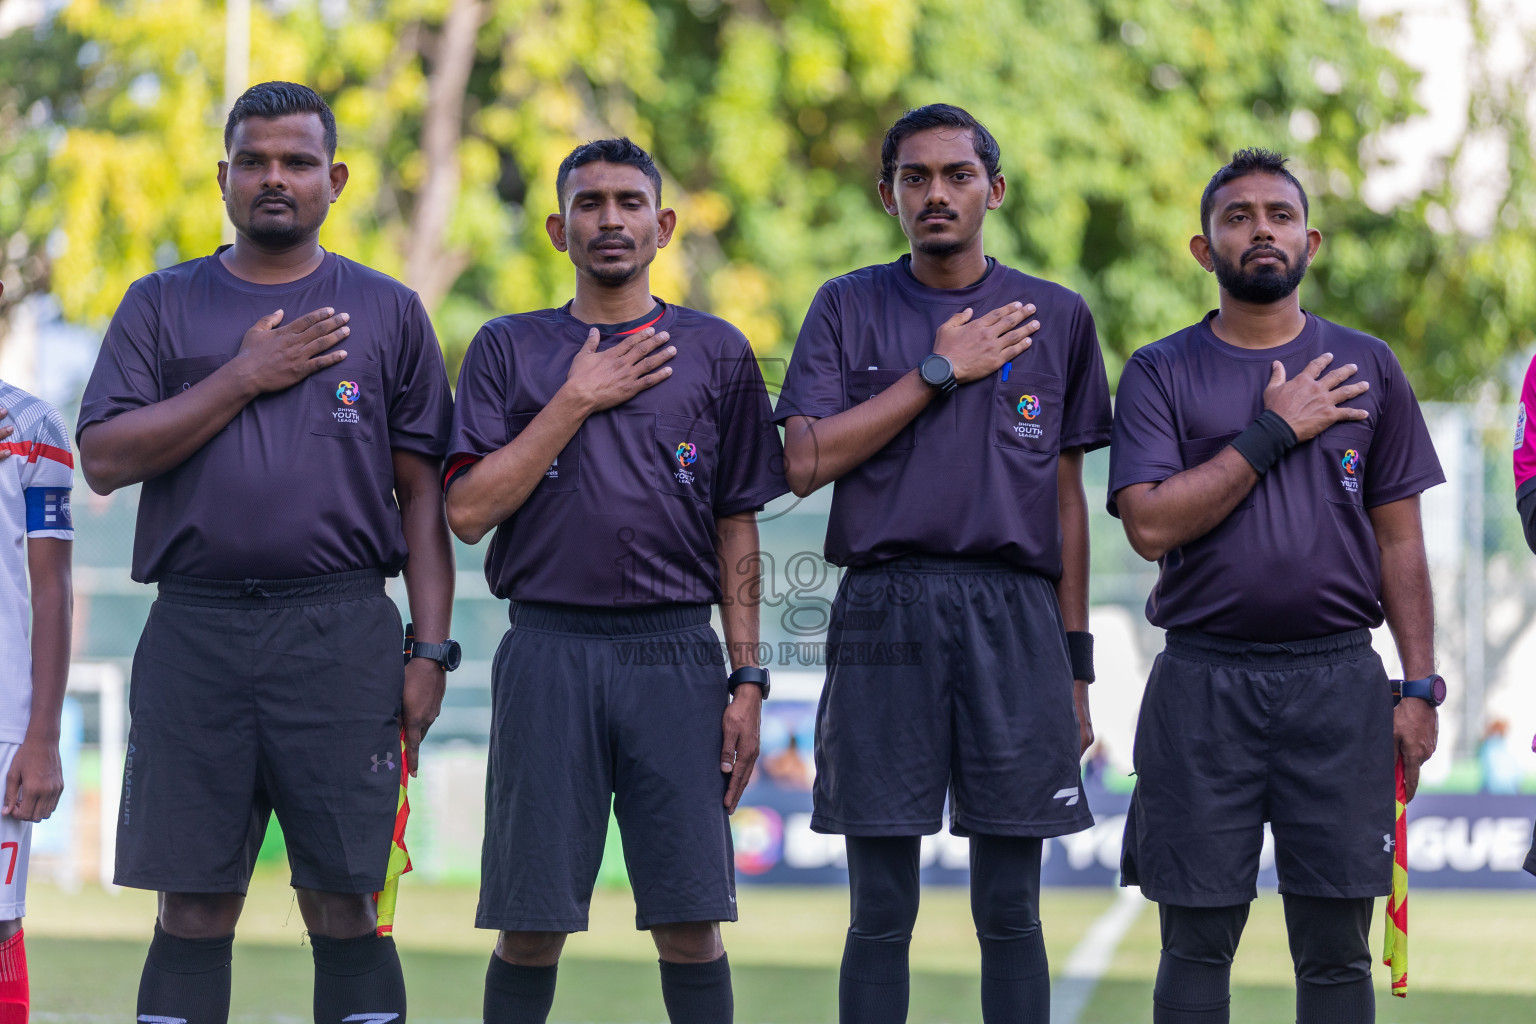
(749, 674)
(1080, 648)
(1265, 441)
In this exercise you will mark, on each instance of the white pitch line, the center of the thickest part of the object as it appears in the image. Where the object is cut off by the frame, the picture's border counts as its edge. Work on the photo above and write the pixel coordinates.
(1092, 957)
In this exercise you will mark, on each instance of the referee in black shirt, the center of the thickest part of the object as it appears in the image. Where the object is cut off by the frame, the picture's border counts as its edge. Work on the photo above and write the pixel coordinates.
(288, 468)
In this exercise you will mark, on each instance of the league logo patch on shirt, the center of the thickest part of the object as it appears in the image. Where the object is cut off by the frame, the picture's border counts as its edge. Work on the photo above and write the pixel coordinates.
(1029, 407)
(1350, 463)
(1520, 427)
(347, 393)
(687, 454)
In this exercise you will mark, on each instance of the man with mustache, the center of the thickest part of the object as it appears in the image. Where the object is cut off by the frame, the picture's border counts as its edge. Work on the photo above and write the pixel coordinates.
(289, 467)
(951, 398)
(1271, 463)
(620, 448)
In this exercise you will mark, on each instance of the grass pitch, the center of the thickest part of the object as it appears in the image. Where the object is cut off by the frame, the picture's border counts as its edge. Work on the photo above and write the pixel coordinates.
(1471, 959)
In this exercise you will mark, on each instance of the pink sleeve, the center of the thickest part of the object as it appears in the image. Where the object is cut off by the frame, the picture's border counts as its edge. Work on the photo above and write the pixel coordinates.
(1525, 438)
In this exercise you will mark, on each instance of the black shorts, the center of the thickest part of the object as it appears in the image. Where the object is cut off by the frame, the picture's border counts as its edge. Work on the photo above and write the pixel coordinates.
(1233, 734)
(592, 706)
(259, 697)
(947, 675)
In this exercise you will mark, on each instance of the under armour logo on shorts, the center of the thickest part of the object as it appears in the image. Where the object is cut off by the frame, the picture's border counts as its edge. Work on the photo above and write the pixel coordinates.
(389, 765)
(1388, 842)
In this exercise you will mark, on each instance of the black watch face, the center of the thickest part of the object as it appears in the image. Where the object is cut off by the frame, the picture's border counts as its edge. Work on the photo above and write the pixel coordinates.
(935, 370)
(452, 655)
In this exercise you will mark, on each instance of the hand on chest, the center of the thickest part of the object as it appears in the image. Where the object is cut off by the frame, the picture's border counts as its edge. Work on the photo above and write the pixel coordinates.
(1020, 406)
(1216, 404)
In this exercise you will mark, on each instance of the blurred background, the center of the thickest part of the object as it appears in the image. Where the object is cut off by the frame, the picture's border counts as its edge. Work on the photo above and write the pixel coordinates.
(1409, 121)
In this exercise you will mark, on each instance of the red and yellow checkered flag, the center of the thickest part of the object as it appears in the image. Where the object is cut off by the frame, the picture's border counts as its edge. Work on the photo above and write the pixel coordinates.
(399, 859)
(1395, 949)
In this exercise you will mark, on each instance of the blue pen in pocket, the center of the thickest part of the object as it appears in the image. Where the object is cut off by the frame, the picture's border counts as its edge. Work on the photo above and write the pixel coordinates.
(1007, 368)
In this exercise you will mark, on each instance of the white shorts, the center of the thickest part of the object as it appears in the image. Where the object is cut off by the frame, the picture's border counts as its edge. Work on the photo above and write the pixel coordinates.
(15, 847)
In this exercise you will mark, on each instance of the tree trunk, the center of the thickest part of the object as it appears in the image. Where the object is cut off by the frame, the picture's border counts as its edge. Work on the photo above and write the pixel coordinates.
(430, 267)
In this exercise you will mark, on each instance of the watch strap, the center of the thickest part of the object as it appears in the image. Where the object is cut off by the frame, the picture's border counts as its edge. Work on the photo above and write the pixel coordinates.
(437, 652)
(749, 674)
(1424, 689)
(445, 654)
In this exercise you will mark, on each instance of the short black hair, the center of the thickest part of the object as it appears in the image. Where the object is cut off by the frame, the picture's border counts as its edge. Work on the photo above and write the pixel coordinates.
(1252, 160)
(611, 151)
(938, 115)
(280, 99)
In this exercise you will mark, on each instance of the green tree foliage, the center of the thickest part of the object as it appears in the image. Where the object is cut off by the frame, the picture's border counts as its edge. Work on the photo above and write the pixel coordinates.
(35, 69)
(766, 117)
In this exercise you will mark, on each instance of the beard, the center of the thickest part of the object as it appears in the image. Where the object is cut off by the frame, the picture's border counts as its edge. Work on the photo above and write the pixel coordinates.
(274, 235)
(610, 274)
(939, 249)
(614, 276)
(1262, 285)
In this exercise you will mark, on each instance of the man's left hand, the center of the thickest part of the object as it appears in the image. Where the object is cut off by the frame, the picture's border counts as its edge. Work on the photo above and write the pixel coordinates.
(743, 726)
(35, 781)
(425, 682)
(1084, 719)
(1415, 731)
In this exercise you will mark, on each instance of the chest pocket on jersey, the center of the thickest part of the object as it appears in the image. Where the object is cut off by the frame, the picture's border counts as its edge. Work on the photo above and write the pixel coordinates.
(1199, 450)
(1344, 451)
(684, 457)
(178, 375)
(564, 474)
(866, 384)
(1027, 412)
(346, 401)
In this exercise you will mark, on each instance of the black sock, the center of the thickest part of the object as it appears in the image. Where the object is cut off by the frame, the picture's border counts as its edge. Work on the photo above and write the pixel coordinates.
(357, 976)
(1187, 992)
(1005, 904)
(1353, 1002)
(698, 993)
(1331, 947)
(186, 979)
(518, 995)
(874, 985)
(1194, 975)
(1015, 981)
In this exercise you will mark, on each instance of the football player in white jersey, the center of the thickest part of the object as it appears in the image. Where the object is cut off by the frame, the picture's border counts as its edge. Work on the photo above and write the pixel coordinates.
(36, 537)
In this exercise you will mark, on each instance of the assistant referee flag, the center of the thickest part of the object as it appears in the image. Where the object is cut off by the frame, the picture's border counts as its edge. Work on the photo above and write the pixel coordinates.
(399, 859)
(1395, 949)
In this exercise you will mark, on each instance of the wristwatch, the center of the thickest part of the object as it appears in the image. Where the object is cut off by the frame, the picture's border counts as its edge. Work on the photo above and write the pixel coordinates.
(938, 373)
(749, 674)
(1430, 688)
(447, 654)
